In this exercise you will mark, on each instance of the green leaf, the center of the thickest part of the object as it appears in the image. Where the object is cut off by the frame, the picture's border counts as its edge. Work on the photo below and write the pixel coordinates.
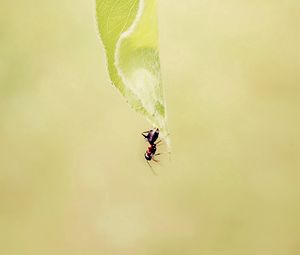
(128, 29)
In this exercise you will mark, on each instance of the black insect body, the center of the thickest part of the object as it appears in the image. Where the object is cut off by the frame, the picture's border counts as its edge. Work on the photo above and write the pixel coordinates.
(151, 135)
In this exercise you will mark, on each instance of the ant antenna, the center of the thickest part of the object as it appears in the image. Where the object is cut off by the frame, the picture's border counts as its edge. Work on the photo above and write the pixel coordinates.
(151, 168)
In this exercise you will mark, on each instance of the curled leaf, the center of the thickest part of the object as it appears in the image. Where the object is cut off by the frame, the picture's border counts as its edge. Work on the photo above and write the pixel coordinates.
(129, 32)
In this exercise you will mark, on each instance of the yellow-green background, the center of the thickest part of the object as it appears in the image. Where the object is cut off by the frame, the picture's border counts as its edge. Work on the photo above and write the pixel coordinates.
(72, 175)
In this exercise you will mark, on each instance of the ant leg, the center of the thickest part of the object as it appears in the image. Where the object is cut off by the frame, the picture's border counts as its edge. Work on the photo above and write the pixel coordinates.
(146, 132)
(145, 136)
(159, 142)
(155, 160)
(161, 153)
(151, 168)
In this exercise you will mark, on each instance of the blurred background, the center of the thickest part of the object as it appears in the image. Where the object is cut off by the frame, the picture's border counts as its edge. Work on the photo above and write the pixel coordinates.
(73, 179)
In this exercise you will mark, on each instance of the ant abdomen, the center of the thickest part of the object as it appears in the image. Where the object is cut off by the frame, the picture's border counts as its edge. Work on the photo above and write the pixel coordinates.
(151, 135)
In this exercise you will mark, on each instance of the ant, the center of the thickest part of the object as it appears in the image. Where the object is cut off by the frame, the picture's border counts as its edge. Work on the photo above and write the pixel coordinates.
(151, 136)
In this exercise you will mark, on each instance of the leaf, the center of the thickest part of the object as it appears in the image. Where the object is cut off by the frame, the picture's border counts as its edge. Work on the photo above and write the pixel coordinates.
(128, 29)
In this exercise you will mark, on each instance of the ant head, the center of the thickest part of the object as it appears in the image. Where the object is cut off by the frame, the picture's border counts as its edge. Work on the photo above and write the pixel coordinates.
(147, 157)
